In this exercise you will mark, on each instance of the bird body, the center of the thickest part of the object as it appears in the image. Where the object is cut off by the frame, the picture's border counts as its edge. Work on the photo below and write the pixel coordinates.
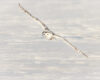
(48, 34)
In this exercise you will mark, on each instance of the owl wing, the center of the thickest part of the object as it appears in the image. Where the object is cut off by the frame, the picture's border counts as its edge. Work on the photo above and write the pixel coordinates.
(71, 45)
(35, 18)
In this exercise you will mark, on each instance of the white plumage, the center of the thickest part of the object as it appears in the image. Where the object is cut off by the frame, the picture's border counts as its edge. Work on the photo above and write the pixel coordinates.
(48, 34)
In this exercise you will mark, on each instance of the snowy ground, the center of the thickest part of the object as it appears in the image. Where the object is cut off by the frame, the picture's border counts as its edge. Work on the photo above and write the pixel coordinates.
(26, 55)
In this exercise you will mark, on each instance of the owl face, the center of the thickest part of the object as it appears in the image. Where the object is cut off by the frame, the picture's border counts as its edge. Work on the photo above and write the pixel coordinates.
(48, 35)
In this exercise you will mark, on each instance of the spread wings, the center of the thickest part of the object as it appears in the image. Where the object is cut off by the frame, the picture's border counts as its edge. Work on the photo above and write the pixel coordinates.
(55, 35)
(35, 18)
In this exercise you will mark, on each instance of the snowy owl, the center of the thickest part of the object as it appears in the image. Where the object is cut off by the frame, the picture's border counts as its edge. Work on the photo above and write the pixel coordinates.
(48, 34)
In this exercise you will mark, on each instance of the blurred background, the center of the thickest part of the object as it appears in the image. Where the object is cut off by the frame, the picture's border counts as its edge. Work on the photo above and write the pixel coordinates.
(26, 55)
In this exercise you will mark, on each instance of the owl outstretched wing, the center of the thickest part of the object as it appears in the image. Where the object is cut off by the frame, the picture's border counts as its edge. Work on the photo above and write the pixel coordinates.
(71, 45)
(44, 26)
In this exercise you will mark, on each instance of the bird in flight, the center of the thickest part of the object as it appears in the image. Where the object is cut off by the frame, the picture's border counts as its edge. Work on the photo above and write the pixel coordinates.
(48, 34)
